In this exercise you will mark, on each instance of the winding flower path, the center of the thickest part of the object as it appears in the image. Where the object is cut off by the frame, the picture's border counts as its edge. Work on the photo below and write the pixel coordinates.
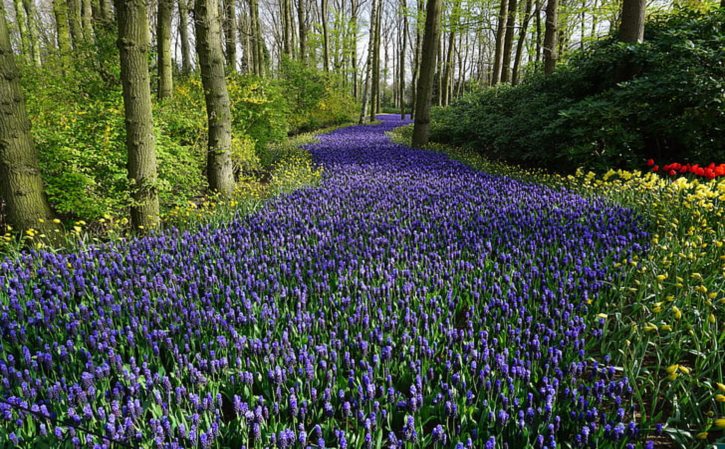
(408, 301)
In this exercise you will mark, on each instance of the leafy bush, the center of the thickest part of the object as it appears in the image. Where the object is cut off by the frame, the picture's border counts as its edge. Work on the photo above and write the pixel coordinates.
(315, 97)
(612, 105)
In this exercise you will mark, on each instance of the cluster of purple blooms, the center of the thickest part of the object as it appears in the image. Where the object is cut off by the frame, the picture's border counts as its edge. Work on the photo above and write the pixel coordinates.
(408, 301)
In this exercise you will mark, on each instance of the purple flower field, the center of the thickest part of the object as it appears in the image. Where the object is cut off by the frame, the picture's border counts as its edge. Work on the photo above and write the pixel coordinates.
(407, 302)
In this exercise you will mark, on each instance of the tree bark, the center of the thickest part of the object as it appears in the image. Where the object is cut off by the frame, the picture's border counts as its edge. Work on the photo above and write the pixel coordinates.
(31, 15)
(421, 128)
(508, 42)
(60, 10)
(230, 41)
(258, 53)
(211, 61)
(500, 38)
(22, 25)
(325, 36)
(375, 84)
(286, 17)
(354, 5)
(20, 182)
(551, 36)
(186, 64)
(416, 57)
(133, 46)
(74, 19)
(163, 49)
(302, 19)
(522, 41)
(631, 28)
(87, 18)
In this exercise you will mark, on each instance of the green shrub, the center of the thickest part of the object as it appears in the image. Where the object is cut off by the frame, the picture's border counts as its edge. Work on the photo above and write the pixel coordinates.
(612, 105)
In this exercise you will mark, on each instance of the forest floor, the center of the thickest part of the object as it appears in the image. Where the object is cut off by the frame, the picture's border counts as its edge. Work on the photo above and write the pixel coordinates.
(407, 298)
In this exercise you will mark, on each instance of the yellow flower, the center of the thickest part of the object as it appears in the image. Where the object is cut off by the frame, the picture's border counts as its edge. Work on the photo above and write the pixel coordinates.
(720, 423)
(677, 312)
(720, 397)
(56, 221)
(701, 436)
(672, 376)
(649, 327)
(684, 369)
(602, 316)
(672, 369)
(720, 386)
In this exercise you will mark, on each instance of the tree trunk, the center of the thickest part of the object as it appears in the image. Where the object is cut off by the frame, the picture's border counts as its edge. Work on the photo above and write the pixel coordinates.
(421, 128)
(133, 45)
(31, 14)
(230, 41)
(631, 28)
(522, 41)
(302, 19)
(416, 57)
(87, 18)
(551, 36)
(508, 42)
(286, 27)
(211, 61)
(186, 65)
(353, 46)
(163, 49)
(60, 10)
(20, 182)
(401, 68)
(325, 36)
(74, 18)
(500, 38)
(369, 64)
(22, 25)
(258, 53)
(537, 58)
(375, 62)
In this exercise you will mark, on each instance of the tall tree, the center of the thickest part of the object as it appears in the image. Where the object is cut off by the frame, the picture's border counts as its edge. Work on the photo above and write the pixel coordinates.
(302, 27)
(20, 183)
(74, 19)
(500, 38)
(60, 11)
(230, 41)
(508, 41)
(421, 128)
(183, 6)
(416, 54)
(375, 75)
(551, 36)
(257, 42)
(30, 12)
(163, 49)
(211, 61)
(631, 27)
(133, 46)
(369, 63)
(87, 18)
(286, 17)
(401, 65)
(325, 36)
(22, 24)
(521, 42)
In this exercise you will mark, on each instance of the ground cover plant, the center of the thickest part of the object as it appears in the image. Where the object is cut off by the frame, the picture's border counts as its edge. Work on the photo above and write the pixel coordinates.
(409, 301)
(664, 317)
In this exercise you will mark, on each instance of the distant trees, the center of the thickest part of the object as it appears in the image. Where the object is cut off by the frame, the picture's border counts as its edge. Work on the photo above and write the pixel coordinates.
(20, 183)
(133, 47)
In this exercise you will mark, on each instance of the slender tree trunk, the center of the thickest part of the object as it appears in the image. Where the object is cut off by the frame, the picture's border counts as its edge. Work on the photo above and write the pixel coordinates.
(106, 10)
(401, 68)
(353, 44)
(22, 25)
(211, 61)
(87, 19)
(375, 77)
(302, 19)
(230, 41)
(416, 57)
(186, 65)
(286, 27)
(20, 182)
(245, 37)
(551, 36)
(522, 41)
(258, 54)
(163, 49)
(508, 42)
(31, 14)
(631, 28)
(60, 10)
(537, 57)
(74, 18)
(133, 45)
(500, 38)
(421, 128)
(369, 64)
(325, 36)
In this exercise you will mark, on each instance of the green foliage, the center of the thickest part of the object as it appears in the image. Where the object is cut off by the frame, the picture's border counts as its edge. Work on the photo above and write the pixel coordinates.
(611, 105)
(315, 98)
